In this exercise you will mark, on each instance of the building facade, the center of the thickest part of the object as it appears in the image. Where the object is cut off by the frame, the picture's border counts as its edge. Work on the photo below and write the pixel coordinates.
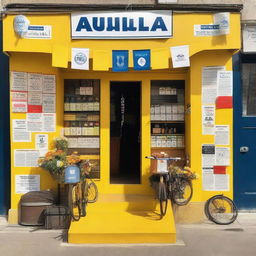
(130, 98)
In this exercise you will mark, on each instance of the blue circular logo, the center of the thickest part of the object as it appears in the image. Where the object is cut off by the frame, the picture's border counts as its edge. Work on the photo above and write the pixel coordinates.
(80, 58)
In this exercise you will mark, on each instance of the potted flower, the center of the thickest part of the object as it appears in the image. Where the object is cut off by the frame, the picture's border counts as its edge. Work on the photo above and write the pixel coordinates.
(57, 161)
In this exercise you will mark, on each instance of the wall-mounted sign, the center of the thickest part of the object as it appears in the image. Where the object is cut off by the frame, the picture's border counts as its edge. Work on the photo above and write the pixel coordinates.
(39, 31)
(20, 25)
(127, 25)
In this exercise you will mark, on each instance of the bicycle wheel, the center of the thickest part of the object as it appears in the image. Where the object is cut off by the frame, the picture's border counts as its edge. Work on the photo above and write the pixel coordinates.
(92, 192)
(182, 192)
(221, 210)
(74, 202)
(163, 199)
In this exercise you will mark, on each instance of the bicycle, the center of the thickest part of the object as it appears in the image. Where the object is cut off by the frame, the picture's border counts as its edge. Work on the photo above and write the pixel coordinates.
(221, 210)
(172, 185)
(80, 194)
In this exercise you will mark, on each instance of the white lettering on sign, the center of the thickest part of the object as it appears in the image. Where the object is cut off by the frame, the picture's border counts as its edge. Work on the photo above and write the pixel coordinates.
(116, 25)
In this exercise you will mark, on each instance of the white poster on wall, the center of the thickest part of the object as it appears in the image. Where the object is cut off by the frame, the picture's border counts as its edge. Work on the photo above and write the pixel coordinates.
(223, 20)
(221, 182)
(208, 179)
(208, 119)
(49, 84)
(249, 38)
(49, 103)
(34, 122)
(222, 155)
(42, 143)
(35, 82)
(49, 122)
(19, 131)
(209, 83)
(19, 81)
(26, 183)
(222, 135)
(208, 155)
(26, 158)
(225, 83)
(180, 56)
(19, 107)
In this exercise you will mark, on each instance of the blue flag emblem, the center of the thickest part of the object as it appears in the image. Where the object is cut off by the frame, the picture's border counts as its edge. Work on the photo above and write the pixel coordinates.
(120, 61)
(141, 59)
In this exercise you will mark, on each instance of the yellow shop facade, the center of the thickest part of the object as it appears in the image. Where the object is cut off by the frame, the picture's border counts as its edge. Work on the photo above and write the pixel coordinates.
(118, 118)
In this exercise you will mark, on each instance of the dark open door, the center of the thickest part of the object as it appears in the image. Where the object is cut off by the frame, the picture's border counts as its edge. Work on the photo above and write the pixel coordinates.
(125, 123)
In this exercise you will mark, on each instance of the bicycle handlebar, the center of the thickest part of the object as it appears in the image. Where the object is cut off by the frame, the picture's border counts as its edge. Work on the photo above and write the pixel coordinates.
(164, 158)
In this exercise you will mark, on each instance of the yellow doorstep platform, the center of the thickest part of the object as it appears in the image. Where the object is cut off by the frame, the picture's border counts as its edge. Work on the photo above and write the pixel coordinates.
(123, 221)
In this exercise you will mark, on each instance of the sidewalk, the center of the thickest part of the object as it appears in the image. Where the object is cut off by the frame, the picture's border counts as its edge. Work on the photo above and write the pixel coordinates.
(206, 239)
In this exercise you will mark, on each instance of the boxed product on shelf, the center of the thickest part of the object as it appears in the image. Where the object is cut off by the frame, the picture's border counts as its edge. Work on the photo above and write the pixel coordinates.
(168, 109)
(153, 142)
(72, 142)
(157, 109)
(162, 109)
(169, 117)
(163, 142)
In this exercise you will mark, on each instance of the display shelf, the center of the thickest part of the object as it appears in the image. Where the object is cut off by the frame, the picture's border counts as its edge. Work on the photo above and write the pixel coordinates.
(72, 111)
(167, 102)
(164, 148)
(82, 103)
(167, 122)
(167, 134)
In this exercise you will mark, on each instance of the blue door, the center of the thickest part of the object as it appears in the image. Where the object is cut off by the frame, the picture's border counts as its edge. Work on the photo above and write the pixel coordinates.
(244, 67)
(4, 132)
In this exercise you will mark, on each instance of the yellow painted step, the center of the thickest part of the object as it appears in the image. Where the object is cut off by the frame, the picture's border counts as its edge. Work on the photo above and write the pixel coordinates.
(110, 223)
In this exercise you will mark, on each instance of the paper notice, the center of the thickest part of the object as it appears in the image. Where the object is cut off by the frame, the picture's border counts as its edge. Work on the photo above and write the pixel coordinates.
(19, 81)
(249, 38)
(34, 122)
(208, 119)
(49, 103)
(208, 179)
(35, 100)
(206, 30)
(19, 96)
(209, 83)
(80, 58)
(222, 156)
(35, 82)
(49, 84)
(208, 155)
(26, 183)
(225, 83)
(221, 182)
(221, 134)
(214, 182)
(223, 20)
(19, 131)
(180, 56)
(42, 143)
(49, 122)
(19, 107)
(26, 158)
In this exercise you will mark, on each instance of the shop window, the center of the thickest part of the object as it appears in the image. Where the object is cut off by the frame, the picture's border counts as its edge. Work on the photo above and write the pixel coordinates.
(167, 117)
(82, 119)
(249, 89)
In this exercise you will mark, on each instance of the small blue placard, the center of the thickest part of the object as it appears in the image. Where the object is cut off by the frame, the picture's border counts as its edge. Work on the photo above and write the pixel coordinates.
(141, 59)
(120, 61)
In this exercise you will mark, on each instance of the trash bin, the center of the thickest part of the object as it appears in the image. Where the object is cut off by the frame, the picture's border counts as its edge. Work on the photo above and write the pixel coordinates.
(32, 206)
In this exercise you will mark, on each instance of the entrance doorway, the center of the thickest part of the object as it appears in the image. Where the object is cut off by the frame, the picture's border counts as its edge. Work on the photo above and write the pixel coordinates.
(125, 120)
(244, 69)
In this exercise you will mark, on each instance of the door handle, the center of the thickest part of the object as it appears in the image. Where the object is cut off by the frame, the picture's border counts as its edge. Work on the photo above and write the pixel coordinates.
(244, 149)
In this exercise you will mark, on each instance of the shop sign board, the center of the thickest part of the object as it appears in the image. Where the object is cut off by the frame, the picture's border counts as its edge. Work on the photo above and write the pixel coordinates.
(118, 25)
